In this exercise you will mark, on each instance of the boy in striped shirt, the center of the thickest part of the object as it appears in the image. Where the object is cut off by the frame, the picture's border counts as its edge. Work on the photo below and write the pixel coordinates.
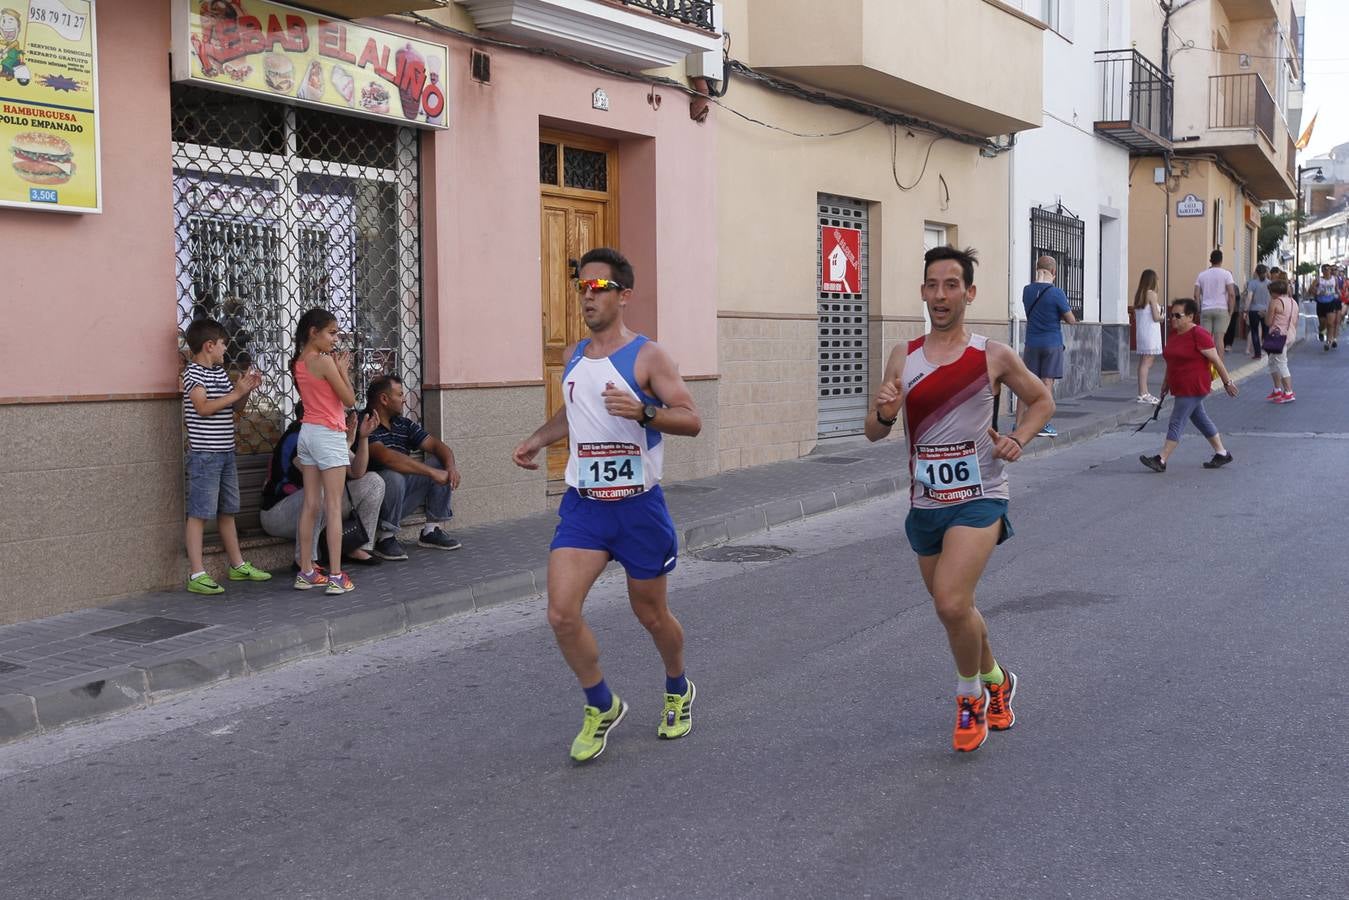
(209, 402)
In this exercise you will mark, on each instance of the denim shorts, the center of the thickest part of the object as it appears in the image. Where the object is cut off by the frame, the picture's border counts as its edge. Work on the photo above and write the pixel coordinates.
(925, 528)
(322, 447)
(1044, 362)
(212, 484)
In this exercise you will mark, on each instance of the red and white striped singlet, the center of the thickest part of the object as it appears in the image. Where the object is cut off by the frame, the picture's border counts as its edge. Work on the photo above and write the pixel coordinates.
(947, 413)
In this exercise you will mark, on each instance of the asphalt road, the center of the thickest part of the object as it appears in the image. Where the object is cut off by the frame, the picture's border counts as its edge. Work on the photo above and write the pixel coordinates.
(1180, 731)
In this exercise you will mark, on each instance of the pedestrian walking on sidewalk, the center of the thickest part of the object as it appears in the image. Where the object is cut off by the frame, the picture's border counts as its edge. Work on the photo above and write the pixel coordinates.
(944, 384)
(1280, 319)
(1215, 291)
(1047, 311)
(1189, 354)
(622, 394)
(1256, 297)
(1147, 331)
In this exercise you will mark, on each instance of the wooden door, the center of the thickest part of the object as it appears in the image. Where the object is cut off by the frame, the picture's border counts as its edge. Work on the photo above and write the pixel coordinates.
(577, 184)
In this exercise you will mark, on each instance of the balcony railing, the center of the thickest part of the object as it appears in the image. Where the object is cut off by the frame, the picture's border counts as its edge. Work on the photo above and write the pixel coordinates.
(1291, 165)
(1136, 100)
(697, 13)
(1240, 101)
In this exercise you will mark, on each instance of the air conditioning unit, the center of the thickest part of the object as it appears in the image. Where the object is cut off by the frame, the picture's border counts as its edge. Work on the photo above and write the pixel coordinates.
(709, 65)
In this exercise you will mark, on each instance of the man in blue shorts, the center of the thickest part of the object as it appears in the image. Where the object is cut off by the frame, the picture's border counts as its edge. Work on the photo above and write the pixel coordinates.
(1047, 311)
(944, 384)
(621, 395)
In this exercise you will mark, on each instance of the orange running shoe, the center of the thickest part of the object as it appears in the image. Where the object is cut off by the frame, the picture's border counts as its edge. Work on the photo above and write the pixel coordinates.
(1000, 715)
(971, 724)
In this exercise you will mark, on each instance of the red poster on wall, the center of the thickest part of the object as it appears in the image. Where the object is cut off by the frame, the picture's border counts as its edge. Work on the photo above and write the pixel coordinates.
(841, 262)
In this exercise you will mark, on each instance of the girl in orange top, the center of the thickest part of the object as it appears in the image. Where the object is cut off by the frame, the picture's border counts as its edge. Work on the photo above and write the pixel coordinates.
(322, 452)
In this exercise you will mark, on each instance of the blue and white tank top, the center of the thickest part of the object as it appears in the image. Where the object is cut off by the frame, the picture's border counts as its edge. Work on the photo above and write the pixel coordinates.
(611, 458)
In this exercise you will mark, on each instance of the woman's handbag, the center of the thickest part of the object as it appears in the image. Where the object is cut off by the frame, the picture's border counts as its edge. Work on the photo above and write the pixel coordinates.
(1275, 340)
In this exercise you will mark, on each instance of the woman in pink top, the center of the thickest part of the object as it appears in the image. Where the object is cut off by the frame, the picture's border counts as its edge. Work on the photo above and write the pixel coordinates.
(1280, 318)
(322, 452)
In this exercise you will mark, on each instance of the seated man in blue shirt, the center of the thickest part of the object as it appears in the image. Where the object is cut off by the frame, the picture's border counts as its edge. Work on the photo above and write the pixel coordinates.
(407, 482)
(1047, 311)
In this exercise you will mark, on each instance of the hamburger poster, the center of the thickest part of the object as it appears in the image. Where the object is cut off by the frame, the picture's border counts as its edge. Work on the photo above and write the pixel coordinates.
(296, 56)
(48, 103)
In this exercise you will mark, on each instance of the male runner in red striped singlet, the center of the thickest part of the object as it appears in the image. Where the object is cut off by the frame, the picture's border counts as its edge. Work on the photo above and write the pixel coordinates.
(944, 384)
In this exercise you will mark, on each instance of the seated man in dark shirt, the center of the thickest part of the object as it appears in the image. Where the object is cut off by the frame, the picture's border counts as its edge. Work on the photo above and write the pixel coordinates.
(407, 482)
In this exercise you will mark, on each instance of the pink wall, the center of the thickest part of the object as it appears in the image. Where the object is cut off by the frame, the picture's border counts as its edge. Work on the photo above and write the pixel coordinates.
(88, 302)
(88, 305)
(485, 267)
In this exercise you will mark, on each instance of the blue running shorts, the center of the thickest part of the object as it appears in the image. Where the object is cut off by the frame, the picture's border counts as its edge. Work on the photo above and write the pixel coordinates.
(925, 528)
(636, 531)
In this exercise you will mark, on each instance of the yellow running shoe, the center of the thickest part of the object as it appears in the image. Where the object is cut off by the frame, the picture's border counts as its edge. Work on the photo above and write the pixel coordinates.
(677, 718)
(594, 734)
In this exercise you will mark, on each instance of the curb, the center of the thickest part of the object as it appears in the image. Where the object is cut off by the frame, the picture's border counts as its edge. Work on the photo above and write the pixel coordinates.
(110, 691)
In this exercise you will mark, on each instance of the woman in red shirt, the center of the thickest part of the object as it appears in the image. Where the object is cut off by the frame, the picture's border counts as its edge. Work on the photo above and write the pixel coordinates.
(1188, 353)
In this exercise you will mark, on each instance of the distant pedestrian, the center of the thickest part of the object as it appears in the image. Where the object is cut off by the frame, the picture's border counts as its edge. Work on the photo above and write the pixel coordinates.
(1147, 330)
(1215, 290)
(1189, 353)
(1047, 311)
(1328, 307)
(1281, 320)
(1255, 301)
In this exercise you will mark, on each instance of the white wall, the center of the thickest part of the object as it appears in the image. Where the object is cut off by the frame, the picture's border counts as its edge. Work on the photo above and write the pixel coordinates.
(1064, 161)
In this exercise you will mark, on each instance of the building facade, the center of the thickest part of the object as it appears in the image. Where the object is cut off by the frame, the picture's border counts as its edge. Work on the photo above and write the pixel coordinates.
(440, 233)
(1234, 69)
(1070, 185)
(848, 142)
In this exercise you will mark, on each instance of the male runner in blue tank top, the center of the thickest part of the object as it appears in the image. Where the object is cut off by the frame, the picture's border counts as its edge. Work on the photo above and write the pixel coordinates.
(944, 384)
(621, 393)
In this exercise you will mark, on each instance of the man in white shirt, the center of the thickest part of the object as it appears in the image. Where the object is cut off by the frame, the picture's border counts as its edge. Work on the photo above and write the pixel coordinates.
(1215, 290)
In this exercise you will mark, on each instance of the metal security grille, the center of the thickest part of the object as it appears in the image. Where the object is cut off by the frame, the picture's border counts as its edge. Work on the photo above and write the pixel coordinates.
(1063, 237)
(842, 326)
(278, 209)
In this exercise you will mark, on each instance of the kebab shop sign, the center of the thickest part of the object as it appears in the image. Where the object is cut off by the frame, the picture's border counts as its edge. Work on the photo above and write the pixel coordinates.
(299, 57)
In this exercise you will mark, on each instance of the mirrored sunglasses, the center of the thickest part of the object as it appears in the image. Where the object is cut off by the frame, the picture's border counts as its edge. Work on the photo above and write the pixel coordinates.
(597, 284)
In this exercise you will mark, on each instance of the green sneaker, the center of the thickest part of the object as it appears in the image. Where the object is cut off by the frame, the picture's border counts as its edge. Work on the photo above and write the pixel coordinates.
(595, 730)
(204, 584)
(248, 572)
(677, 719)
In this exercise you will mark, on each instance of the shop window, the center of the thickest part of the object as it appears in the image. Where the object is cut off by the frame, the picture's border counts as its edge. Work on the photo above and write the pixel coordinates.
(279, 209)
(229, 121)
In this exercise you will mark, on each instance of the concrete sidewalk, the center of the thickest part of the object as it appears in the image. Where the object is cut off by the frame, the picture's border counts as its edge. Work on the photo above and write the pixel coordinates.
(95, 662)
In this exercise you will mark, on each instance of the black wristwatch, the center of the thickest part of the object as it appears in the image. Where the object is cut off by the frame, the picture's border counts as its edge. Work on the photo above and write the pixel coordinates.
(648, 413)
(888, 423)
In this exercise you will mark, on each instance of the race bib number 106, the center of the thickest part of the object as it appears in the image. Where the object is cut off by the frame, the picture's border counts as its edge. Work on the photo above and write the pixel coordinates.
(949, 473)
